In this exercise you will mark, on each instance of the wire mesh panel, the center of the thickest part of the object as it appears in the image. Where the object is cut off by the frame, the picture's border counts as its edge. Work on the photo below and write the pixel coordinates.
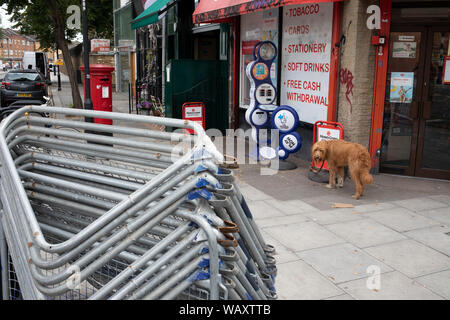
(134, 214)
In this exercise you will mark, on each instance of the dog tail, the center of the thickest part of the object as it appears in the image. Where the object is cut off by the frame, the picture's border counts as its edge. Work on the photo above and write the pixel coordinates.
(366, 178)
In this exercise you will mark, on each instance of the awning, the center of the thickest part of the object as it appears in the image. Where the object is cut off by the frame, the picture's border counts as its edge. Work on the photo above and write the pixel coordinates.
(213, 10)
(150, 15)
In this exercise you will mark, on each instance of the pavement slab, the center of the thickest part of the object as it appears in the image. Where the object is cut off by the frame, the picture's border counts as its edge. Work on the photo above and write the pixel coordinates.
(303, 236)
(341, 297)
(325, 217)
(393, 286)
(280, 221)
(442, 215)
(290, 207)
(372, 207)
(410, 258)
(438, 282)
(437, 238)
(401, 219)
(298, 281)
(261, 209)
(365, 232)
(342, 262)
(441, 198)
(282, 254)
(253, 194)
(420, 204)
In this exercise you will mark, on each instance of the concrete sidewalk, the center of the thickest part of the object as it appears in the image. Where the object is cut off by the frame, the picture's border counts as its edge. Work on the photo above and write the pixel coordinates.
(400, 229)
(325, 253)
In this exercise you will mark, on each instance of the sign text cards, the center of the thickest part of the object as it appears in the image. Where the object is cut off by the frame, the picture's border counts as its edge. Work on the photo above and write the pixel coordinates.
(307, 32)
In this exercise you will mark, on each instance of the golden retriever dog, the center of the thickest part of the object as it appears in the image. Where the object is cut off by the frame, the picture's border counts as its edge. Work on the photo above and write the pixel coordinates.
(340, 153)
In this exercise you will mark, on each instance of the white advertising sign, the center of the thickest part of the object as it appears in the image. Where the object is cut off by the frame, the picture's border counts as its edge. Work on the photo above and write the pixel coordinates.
(193, 112)
(290, 142)
(307, 32)
(284, 121)
(328, 134)
(100, 45)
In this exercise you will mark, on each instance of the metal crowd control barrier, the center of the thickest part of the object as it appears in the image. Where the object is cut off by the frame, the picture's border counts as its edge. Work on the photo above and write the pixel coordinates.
(134, 214)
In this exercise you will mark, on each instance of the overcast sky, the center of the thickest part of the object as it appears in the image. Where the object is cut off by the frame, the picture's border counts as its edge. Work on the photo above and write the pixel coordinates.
(5, 18)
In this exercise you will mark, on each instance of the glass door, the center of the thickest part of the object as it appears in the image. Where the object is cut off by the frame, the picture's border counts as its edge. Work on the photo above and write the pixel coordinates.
(416, 129)
(433, 154)
(403, 99)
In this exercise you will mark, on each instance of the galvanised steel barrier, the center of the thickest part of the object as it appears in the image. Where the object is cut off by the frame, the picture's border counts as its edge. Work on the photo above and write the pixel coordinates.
(92, 211)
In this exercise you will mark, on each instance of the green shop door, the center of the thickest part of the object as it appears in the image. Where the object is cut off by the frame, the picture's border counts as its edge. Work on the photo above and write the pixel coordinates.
(198, 81)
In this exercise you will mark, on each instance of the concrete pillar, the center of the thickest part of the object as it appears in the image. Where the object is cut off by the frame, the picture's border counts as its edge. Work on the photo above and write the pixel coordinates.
(356, 74)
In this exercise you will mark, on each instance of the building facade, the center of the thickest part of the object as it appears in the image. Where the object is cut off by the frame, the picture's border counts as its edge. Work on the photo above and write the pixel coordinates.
(378, 67)
(12, 46)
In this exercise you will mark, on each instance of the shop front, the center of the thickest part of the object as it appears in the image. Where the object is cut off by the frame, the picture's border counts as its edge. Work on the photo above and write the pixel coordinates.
(386, 83)
(180, 62)
(305, 72)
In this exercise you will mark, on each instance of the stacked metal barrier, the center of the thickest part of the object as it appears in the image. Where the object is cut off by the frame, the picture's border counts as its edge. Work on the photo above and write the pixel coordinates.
(92, 211)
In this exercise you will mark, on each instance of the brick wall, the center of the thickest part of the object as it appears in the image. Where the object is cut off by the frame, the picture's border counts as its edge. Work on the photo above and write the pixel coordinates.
(13, 44)
(358, 65)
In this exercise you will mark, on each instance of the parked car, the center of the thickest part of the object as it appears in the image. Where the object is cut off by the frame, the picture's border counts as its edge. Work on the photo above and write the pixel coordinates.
(20, 84)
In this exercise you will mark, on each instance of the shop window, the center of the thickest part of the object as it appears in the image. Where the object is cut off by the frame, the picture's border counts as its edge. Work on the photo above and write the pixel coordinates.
(306, 59)
(255, 27)
(206, 46)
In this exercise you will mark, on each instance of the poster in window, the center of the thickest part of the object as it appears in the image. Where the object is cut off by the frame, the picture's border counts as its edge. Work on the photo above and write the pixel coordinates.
(404, 49)
(256, 27)
(402, 84)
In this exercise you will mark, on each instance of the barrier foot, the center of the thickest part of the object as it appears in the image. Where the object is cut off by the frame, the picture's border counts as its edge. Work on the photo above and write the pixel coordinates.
(282, 165)
(322, 176)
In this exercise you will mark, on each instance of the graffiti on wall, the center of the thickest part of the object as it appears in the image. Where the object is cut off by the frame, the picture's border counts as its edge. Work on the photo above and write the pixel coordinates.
(346, 78)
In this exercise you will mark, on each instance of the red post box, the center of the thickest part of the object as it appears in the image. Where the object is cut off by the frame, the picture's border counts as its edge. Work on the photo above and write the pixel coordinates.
(101, 89)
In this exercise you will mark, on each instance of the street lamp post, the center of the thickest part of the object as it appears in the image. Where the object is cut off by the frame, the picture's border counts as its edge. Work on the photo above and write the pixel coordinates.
(87, 76)
(54, 67)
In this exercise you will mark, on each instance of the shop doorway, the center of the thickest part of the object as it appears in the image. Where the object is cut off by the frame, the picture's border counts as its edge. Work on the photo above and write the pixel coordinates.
(202, 76)
(416, 128)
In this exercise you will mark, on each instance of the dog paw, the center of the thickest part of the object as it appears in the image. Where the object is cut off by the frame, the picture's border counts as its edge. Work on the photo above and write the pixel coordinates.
(329, 186)
(340, 183)
(356, 196)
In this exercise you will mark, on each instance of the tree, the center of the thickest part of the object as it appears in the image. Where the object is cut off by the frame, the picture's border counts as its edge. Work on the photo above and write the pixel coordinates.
(47, 20)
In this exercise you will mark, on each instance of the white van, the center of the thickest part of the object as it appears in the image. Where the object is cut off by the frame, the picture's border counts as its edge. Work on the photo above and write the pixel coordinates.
(37, 60)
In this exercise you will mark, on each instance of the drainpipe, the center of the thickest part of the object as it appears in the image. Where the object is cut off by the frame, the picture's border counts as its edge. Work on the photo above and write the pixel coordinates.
(116, 52)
